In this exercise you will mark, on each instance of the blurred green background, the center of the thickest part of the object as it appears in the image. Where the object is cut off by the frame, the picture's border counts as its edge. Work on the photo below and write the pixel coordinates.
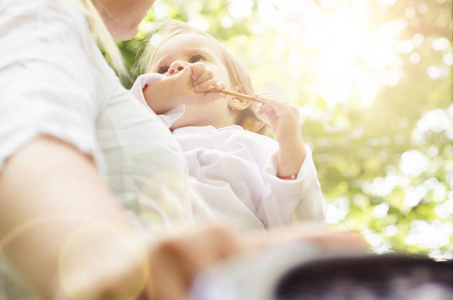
(373, 79)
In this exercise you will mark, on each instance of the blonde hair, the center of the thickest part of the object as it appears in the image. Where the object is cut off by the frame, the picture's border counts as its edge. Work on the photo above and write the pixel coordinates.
(238, 73)
(102, 35)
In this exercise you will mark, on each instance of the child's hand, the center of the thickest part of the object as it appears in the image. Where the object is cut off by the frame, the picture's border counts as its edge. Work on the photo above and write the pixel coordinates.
(184, 83)
(284, 120)
(282, 114)
(191, 84)
(202, 79)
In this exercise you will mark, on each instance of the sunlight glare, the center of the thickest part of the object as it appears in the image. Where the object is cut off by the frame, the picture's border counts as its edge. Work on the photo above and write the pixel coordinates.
(413, 163)
(354, 58)
(337, 210)
(390, 230)
(380, 211)
(239, 9)
(436, 120)
(160, 10)
(448, 59)
(201, 24)
(388, 2)
(414, 58)
(440, 44)
(444, 210)
(381, 186)
(433, 235)
(227, 22)
(413, 196)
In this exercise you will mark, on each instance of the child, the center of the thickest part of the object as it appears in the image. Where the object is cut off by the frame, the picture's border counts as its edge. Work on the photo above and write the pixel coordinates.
(243, 175)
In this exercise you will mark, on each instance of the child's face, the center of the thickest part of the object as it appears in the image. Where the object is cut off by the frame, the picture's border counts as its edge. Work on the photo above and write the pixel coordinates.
(185, 49)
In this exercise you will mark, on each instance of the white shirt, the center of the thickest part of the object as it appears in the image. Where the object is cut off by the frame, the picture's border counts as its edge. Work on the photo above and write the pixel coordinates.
(54, 81)
(235, 171)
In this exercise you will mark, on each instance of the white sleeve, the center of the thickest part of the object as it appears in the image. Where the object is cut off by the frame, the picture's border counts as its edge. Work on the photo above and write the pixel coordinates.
(289, 201)
(141, 82)
(46, 84)
(148, 79)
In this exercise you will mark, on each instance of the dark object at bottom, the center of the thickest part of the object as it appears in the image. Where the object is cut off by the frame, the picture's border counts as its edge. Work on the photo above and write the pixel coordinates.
(308, 272)
(386, 277)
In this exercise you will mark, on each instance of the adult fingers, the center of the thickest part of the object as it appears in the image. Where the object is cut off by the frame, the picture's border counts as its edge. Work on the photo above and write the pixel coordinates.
(110, 268)
(175, 260)
(311, 232)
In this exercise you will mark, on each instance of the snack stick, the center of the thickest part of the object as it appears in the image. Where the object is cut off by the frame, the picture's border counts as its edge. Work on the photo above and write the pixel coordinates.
(239, 95)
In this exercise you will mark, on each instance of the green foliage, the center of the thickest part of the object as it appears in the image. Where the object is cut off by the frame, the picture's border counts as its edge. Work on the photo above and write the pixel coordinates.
(386, 165)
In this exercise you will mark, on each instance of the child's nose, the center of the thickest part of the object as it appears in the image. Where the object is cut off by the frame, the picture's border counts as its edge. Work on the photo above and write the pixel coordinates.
(176, 67)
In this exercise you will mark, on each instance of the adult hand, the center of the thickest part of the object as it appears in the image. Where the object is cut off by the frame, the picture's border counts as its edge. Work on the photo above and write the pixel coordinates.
(175, 260)
(123, 271)
(124, 266)
(102, 261)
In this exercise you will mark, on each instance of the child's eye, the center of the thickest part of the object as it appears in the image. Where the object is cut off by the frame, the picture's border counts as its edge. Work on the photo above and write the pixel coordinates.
(162, 70)
(197, 58)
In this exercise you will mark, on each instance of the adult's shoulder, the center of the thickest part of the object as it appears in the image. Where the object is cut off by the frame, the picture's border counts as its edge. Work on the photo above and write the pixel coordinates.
(66, 11)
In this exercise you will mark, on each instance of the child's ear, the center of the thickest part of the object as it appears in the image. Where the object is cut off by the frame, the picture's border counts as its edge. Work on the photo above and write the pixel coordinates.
(238, 103)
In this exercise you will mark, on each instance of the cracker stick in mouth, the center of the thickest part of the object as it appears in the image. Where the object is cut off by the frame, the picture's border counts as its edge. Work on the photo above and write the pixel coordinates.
(231, 93)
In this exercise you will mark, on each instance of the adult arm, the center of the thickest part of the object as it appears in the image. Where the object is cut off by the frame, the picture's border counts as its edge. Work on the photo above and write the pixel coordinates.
(68, 239)
(93, 252)
(53, 199)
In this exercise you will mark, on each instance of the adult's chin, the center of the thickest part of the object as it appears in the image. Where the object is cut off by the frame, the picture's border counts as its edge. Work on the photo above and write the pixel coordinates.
(123, 34)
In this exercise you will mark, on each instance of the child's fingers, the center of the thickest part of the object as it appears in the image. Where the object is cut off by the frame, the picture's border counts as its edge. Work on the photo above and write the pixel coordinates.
(204, 77)
(182, 83)
(264, 108)
(200, 73)
(204, 87)
(197, 70)
(281, 105)
(268, 112)
(270, 105)
(270, 98)
(270, 101)
(185, 76)
(219, 85)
